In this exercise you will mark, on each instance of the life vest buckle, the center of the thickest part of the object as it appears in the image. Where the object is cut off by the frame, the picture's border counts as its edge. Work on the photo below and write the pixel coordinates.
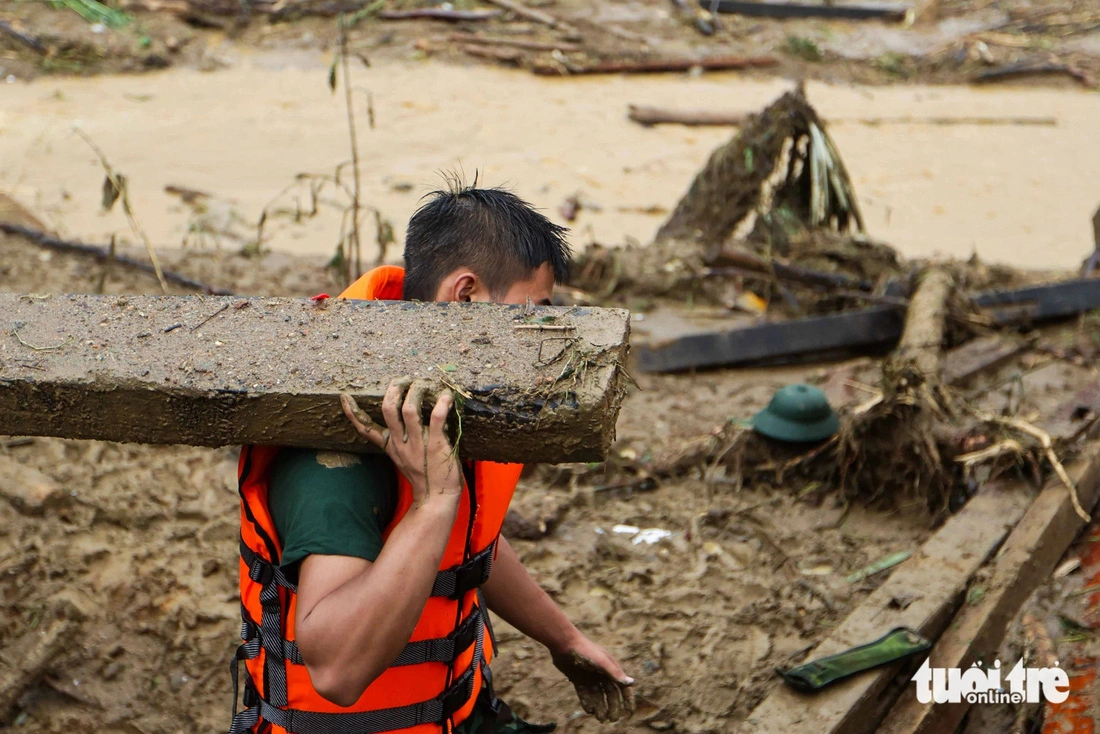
(468, 578)
(459, 694)
(261, 571)
(473, 573)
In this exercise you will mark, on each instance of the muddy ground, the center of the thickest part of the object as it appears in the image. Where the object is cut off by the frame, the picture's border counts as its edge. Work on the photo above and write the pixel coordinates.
(138, 545)
(951, 41)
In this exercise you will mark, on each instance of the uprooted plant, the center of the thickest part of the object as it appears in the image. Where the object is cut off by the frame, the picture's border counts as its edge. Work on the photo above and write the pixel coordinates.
(776, 192)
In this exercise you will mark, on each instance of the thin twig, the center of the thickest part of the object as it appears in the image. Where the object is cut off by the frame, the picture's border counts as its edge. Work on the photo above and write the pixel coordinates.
(101, 284)
(204, 321)
(1007, 446)
(13, 442)
(525, 12)
(514, 42)
(103, 254)
(354, 153)
(120, 186)
(24, 342)
(543, 327)
(23, 37)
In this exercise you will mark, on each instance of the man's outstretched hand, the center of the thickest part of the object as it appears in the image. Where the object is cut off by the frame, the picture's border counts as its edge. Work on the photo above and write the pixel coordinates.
(604, 690)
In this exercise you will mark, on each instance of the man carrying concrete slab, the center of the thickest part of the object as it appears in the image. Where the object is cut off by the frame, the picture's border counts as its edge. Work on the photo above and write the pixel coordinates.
(366, 579)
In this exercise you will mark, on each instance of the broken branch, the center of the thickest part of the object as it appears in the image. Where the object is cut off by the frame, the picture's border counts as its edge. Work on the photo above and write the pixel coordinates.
(525, 12)
(654, 66)
(477, 38)
(647, 115)
(453, 16)
(105, 254)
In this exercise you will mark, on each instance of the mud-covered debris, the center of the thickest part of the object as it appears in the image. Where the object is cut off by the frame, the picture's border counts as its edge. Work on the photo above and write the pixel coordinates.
(38, 654)
(542, 521)
(28, 490)
(883, 564)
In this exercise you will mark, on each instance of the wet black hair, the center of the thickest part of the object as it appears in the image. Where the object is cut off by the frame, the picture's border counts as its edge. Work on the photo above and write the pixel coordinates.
(491, 231)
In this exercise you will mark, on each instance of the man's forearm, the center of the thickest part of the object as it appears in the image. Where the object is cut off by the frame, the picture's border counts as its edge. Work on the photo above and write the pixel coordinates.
(353, 634)
(512, 594)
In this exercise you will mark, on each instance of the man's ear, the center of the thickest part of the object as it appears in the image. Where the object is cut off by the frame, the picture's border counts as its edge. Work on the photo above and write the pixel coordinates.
(465, 287)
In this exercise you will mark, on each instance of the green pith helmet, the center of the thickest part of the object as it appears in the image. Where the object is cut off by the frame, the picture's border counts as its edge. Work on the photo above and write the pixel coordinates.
(797, 413)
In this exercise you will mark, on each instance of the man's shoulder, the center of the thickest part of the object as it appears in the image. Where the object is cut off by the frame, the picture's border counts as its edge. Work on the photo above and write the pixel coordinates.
(322, 476)
(330, 503)
(315, 462)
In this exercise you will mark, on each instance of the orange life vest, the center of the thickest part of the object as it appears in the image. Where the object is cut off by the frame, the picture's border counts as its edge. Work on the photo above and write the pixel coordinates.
(435, 681)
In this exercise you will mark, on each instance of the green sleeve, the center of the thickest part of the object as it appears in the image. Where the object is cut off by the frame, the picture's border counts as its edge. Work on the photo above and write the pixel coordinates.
(330, 503)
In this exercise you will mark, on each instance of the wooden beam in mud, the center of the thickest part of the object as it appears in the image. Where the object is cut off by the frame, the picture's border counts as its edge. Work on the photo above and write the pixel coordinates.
(768, 9)
(541, 384)
(1026, 560)
(983, 353)
(875, 328)
(923, 594)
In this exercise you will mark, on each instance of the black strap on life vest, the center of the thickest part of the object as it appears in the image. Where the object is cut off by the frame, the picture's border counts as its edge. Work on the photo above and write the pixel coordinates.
(433, 711)
(267, 635)
(465, 577)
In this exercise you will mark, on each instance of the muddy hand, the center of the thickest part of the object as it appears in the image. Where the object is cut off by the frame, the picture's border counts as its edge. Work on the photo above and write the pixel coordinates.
(422, 454)
(363, 424)
(605, 695)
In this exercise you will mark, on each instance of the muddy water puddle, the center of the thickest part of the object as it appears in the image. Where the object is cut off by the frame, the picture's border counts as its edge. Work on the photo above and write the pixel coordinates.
(1022, 195)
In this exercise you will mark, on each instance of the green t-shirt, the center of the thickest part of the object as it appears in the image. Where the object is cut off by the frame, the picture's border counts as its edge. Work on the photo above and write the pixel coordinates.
(338, 504)
(330, 503)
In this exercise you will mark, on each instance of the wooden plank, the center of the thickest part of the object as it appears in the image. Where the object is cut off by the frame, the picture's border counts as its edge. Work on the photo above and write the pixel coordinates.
(1042, 302)
(767, 9)
(1026, 560)
(921, 594)
(877, 327)
(216, 371)
(983, 353)
(655, 65)
(871, 328)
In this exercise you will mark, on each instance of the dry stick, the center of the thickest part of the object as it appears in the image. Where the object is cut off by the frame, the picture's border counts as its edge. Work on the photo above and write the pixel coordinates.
(785, 271)
(874, 121)
(23, 37)
(992, 452)
(439, 14)
(525, 12)
(120, 187)
(12, 684)
(207, 319)
(652, 66)
(508, 55)
(1010, 71)
(1047, 444)
(543, 327)
(104, 254)
(647, 115)
(354, 153)
(653, 115)
(513, 42)
(101, 284)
